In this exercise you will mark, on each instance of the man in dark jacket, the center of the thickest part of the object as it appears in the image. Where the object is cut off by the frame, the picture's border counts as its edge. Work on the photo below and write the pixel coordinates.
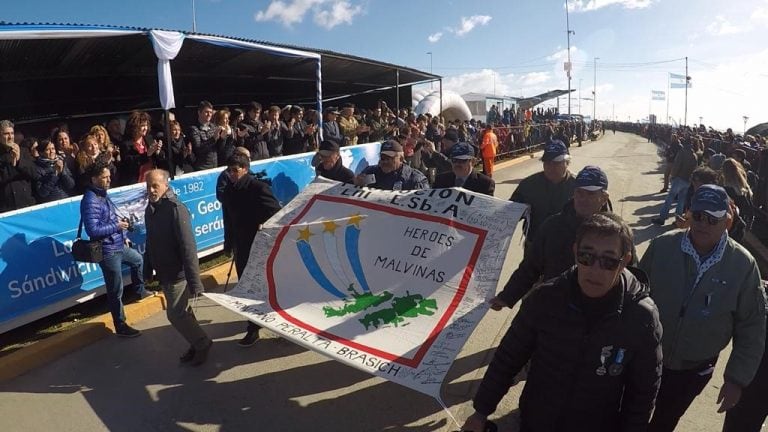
(330, 165)
(552, 250)
(249, 203)
(250, 133)
(546, 191)
(440, 160)
(462, 159)
(683, 166)
(101, 222)
(17, 172)
(594, 341)
(391, 173)
(331, 131)
(204, 138)
(172, 253)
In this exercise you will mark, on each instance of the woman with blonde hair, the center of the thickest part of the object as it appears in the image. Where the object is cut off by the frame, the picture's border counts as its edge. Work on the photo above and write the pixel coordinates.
(736, 185)
(102, 137)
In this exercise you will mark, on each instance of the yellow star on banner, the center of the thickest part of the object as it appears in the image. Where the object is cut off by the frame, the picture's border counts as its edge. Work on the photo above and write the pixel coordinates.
(330, 227)
(305, 234)
(355, 220)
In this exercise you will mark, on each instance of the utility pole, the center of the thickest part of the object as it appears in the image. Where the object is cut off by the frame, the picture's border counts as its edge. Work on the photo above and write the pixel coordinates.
(194, 23)
(685, 117)
(580, 80)
(594, 93)
(745, 125)
(568, 65)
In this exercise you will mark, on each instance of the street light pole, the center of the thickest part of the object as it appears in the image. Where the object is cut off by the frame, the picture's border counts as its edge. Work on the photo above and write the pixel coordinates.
(580, 80)
(194, 23)
(745, 125)
(594, 93)
(431, 83)
(568, 65)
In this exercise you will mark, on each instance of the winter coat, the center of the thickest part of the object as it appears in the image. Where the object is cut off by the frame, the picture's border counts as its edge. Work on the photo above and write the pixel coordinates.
(51, 186)
(339, 172)
(170, 248)
(100, 220)
(593, 369)
(476, 182)
(405, 178)
(16, 182)
(544, 197)
(205, 146)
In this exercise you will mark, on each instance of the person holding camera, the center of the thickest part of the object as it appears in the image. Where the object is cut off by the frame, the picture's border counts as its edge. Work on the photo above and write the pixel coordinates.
(172, 253)
(55, 181)
(101, 222)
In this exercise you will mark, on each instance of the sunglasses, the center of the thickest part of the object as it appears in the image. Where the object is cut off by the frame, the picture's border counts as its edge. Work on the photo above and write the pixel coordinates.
(588, 259)
(699, 216)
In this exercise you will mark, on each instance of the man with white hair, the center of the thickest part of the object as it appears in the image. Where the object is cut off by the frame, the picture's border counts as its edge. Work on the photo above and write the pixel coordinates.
(391, 173)
(172, 254)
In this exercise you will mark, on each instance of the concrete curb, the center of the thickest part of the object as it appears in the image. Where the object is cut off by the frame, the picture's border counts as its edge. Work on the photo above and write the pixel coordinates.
(52, 348)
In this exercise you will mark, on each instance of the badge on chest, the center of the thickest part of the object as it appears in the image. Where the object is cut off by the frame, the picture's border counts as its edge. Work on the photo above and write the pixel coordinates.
(611, 364)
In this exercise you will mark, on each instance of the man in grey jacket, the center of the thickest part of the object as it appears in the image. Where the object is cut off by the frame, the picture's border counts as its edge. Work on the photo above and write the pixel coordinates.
(172, 253)
(708, 291)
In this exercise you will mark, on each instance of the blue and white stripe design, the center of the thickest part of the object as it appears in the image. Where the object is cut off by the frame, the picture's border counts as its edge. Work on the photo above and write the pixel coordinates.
(352, 239)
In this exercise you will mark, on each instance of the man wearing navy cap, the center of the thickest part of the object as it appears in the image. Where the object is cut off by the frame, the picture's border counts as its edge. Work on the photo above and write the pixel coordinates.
(330, 165)
(546, 191)
(331, 131)
(708, 291)
(391, 173)
(551, 252)
(462, 174)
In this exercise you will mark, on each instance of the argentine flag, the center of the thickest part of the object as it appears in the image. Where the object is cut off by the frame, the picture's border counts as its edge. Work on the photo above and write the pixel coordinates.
(678, 81)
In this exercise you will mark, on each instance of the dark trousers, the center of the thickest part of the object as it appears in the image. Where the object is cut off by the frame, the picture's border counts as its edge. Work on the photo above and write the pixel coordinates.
(749, 414)
(677, 391)
(242, 252)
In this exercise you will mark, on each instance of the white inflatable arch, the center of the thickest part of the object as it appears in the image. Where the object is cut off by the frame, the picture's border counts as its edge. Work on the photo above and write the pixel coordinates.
(454, 107)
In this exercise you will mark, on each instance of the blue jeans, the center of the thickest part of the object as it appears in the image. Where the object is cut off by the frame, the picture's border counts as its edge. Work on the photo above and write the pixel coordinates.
(677, 188)
(112, 269)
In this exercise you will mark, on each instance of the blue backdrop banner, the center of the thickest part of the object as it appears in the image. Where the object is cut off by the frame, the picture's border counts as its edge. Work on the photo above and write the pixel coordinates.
(36, 267)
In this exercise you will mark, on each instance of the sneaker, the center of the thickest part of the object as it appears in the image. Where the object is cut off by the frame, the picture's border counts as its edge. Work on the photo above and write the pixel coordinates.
(658, 221)
(188, 356)
(127, 331)
(201, 355)
(250, 338)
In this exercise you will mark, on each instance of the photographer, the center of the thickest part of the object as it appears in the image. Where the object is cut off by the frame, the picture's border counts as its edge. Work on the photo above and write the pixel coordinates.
(55, 182)
(101, 222)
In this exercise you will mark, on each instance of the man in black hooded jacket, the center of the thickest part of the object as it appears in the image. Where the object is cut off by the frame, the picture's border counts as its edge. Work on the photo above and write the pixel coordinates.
(249, 202)
(593, 338)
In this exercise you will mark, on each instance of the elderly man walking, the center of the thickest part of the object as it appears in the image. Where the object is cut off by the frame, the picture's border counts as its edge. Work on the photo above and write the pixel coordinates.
(172, 253)
(708, 291)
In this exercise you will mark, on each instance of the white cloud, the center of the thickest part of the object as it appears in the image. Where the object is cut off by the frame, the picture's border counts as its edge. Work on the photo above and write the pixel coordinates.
(722, 26)
(533, 78)
(435, 37)
(468, 24)
(760, 15)
(591, 5)
(326, 13)
(341, 12)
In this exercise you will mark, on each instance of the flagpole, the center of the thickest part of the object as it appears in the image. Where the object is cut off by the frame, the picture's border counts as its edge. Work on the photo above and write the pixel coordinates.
(685, 118)
(666, 121)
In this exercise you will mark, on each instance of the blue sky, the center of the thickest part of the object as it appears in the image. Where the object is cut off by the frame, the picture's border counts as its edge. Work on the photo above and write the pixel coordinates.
(510, 47)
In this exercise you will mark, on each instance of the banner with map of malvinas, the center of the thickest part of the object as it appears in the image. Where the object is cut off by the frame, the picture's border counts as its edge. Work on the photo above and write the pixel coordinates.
(390, 282)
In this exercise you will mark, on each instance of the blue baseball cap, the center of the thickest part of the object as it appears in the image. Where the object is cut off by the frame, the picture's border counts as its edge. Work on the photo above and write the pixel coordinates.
(555, 151)
(592, 178)
(462, 150)
(712, 199)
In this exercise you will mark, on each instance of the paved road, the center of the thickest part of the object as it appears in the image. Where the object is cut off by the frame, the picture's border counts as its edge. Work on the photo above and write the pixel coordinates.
(137, 385)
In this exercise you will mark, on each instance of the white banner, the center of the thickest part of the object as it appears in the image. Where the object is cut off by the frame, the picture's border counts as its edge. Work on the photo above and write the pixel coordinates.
(390, 282)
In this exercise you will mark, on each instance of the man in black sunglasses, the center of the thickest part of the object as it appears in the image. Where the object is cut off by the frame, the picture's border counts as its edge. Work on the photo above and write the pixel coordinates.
(593, 338)
(709, 293)
(552, 250)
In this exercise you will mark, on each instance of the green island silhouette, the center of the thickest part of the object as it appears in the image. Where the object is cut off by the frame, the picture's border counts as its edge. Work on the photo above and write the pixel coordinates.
(409, 306)
(359, 303)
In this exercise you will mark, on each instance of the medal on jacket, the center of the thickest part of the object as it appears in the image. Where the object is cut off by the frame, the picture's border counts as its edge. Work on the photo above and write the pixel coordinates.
(604, 354)
(616, 368)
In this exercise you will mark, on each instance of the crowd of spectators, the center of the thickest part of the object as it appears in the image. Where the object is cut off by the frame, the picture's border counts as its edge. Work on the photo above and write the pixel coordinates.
(37, 170)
